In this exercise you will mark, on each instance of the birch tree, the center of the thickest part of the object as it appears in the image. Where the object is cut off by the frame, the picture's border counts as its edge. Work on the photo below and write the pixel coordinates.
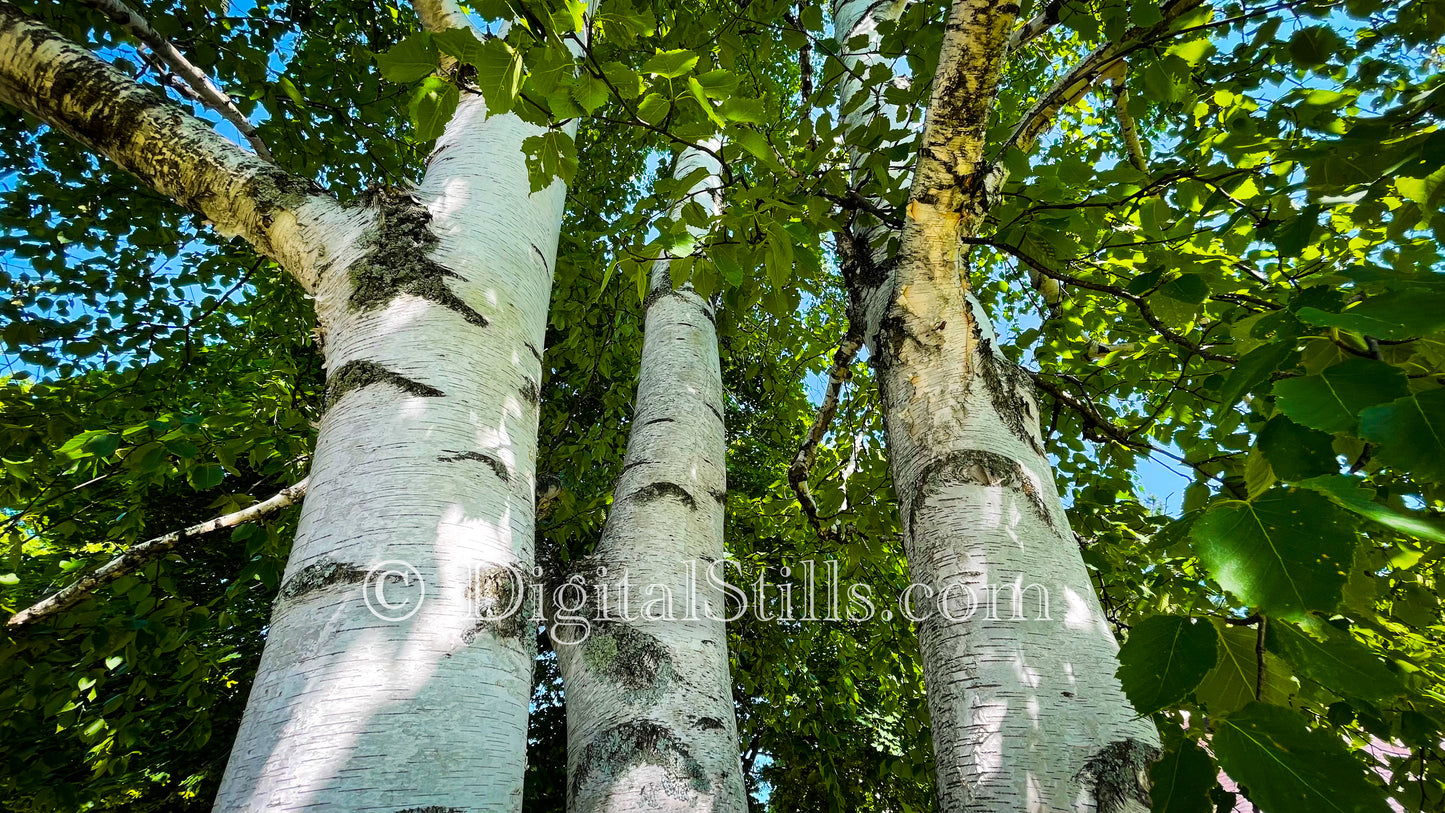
(422, 458)
(650, 721)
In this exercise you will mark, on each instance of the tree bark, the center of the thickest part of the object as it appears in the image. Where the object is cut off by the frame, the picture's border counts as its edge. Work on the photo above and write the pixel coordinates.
(1025, 709)
(434, 321)
(650, 722)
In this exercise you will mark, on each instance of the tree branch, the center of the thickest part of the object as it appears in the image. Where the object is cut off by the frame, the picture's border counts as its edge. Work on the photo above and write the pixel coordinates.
(206, 91)
(1106, 60)
(1127, 127)
(802, 464)
(1035, 26)
(173, 152)
(147, 552)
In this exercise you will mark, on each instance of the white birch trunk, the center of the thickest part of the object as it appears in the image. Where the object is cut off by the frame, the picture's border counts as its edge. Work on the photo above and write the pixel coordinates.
(433, 306)
(434, 311)
(650, 722)
(1025, 710)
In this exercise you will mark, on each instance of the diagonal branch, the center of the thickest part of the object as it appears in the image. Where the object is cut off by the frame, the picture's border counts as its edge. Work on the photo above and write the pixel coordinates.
(205, 90)
(1106, 60)
(1127, 126)
(176, 154)
(147, 552)
(1035, 26)
(802, 464)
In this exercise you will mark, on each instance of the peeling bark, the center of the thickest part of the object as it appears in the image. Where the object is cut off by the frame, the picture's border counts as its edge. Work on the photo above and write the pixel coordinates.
(638, 688)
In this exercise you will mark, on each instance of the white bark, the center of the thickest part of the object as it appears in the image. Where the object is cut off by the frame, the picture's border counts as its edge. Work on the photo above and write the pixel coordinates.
(435, 314)
(650, 723)
(284, 217)
(1026, 712)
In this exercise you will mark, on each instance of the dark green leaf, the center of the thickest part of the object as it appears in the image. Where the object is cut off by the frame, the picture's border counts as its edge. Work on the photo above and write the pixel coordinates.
(1285, 767)
(1164, 659)
(1331, 401)
(1410, 433)
(1286, 553)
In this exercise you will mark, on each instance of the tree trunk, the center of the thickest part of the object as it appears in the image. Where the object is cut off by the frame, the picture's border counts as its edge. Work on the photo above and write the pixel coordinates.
(1018, 657)
(434, 310)
(650, 722)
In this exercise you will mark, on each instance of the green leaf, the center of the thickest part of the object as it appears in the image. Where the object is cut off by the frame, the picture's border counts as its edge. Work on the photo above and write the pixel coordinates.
(1334, 659)
(460, 43)
(701, 96)
(1331, 401)
(1232, 682)
(1313, 46)
(1284, 767)
(409, 60)
(432, 106)
(292, 92)
(1410, 433)
(1181, 780)
(1392, 316)
(670, 64)
(1287, 553)
(205, 476)
(1252, 369)
(590, 92)
(499, 75)
(757, 145)
(743, 111)
(1296, 452)
(1352, 494)
(1164, 659)
(1291, 238)
(550, 156)
(654, 108)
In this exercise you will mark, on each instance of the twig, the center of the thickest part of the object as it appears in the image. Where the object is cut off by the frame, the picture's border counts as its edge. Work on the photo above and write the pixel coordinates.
(210, 95)
(1259, 658)
(148, 551)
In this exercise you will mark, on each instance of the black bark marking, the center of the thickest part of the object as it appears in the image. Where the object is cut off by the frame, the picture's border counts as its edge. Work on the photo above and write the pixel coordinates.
(319, 575)
(637, 463)
(532, 348)
(708, 723)
(1119, 772)
(492, 592)
(719, 494)
(655, 295)
(449, 456)
(531, 391)
(1011, 391)
(641, 742)
(543, 258)
(656, 491)
(978, 468)
(658, 420)
(718, 414)
(353, 375)
(432, 809)
(398, 260)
